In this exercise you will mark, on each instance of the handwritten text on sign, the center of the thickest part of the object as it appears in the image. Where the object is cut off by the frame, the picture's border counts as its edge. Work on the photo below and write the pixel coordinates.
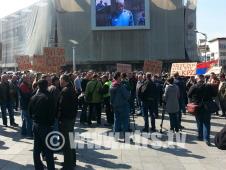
(154, 67)
(184, 69)
(23, 62)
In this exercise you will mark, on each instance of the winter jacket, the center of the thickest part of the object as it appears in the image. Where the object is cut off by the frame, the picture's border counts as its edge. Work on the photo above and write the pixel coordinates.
(68, 102)
(119, 95)
(94, 87)
(41, 108)
(171, 98)
(25, 95)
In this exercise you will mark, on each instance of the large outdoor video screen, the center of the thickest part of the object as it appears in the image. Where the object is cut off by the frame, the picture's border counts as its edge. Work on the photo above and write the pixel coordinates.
(120, 14)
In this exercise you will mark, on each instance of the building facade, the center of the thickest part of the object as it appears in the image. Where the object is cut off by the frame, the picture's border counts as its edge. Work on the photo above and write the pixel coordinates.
(217, 50)
(61, 22)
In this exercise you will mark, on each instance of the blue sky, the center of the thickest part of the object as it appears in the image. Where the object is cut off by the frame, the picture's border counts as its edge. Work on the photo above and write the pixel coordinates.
(211, 18)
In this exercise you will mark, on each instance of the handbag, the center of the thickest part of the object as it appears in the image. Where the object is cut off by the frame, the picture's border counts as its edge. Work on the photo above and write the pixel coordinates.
(192, 108)
(211, 106)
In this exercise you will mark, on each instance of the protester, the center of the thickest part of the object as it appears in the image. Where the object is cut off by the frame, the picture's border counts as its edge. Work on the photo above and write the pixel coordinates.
(94, 99)
(199, 94)
(132, 83)
(214, 82)
(139, 102)
(77, 83)
(6, 101)
(41, 109)
(67, 111)
(182, 88)
(14, 91)
(171, 98)
(158, 93)
(120, 103)
(148, 95)
(25, 95)
(85, 79)
(54, 90)
(106, 98)
(222, 94)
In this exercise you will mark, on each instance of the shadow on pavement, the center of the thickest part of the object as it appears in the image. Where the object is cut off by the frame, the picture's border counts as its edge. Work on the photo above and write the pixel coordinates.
(5, 164)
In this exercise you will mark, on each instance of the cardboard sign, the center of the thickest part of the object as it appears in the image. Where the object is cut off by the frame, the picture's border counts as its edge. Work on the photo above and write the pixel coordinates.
(154, 67)
(39, 63)
(124, 68)
(54, 51)
(23, 62)
(184, 69)
(50, 62)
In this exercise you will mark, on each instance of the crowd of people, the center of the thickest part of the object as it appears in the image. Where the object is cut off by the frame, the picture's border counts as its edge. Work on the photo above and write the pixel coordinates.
(52, 102)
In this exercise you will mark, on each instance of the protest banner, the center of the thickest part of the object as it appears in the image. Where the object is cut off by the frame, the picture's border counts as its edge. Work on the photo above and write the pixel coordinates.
(184, 69)
(124, 68)
(53, 51)
(154, 67)
(39, 63)
(23, 62)
(55, 58)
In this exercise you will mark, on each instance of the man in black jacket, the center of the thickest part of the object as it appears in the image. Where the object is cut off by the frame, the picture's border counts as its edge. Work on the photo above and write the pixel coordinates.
(85, 80)
(6, 102)
(67, 114)
(148, 95)
(200, 93)
(41, 109)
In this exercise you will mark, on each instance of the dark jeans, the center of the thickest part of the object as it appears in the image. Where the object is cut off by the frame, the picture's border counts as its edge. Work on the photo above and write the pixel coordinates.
(148, 107)
(203, 123)
(222, 105)
(108, 110)
(182, 109)
(66, 126)
(140, 105)
(174, 122)
(26, 128)
(40, 133)
(83, 116)
(156, 109)
(132, 103)
(9, 107)
(121, 123)
(92, 108)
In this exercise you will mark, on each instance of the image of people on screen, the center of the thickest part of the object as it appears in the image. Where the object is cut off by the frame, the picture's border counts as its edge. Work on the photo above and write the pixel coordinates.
(120, 13)
(122, 16)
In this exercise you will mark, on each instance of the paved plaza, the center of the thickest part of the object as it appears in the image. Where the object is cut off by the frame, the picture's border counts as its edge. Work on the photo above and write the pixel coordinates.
(16, 152)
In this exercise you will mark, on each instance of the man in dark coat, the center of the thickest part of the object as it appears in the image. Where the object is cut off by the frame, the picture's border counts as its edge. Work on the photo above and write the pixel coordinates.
(200, 93)
(67, 113)
(41, 110)
(6, 101)
(148, 95)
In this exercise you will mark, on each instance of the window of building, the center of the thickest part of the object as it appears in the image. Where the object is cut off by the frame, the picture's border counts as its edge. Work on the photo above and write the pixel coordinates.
(222, 54)
(222, 46)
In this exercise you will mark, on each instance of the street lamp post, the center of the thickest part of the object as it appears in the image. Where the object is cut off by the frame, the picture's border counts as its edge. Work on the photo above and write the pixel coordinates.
(73, 53)
(205, 35)
(74, 64)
